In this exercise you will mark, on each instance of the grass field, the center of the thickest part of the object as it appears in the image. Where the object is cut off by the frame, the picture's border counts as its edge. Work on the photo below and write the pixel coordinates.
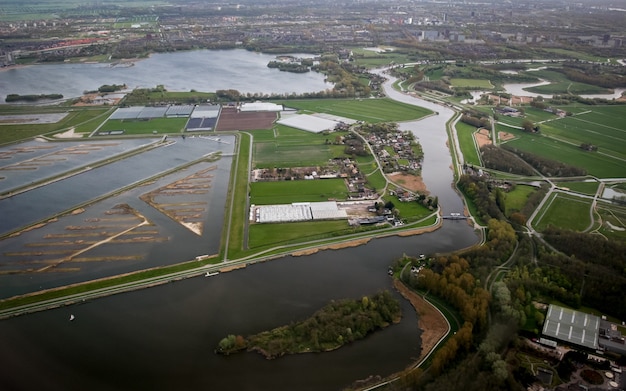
(480, 84)
(516, 199)
(368, 110)
(264, 236)
(158, 125)
(589, 188)
(564, 211)
(465, 133)
(559, 84)
(286, 192)
(288, 147)
(560, 139)
(372, 59)
(614, 220)
(83, 120)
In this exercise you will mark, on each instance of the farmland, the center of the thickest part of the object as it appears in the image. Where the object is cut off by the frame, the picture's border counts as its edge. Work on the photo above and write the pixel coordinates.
(560, 139)
(288, 147)
(286, 192)
(152, 126)
(368, 110)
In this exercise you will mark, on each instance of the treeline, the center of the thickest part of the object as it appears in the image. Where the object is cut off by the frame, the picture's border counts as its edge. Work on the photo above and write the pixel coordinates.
(31, 98)
(344, 76)
(564, 100)
(591, 74)
(477, 365)
(289, 66)
(546, 166)
(333, 326)
(602, 261)
(479, 191)
(502, 160)
(475, 118)
(111, 87)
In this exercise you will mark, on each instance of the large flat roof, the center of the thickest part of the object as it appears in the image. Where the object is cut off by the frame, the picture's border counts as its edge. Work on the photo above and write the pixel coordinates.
(572, 326)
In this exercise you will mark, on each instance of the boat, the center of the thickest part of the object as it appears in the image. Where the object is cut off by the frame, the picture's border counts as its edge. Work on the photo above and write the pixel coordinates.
(211, 274)
(72, 317)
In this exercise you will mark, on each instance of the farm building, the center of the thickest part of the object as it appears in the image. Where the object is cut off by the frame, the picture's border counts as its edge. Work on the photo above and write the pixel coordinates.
(300, 211)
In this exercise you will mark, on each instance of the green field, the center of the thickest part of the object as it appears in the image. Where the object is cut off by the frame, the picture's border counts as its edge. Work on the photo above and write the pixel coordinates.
(263, 236)
(479, 84)
(372, 59)
(613, 219)
(560, 84)
(564, 211)
(288, 147)
(368, 110)
(154, 125)
(589, 188)
(516, 198)
(83, 120)
(465, 134)
(560, 139)
(286, 192)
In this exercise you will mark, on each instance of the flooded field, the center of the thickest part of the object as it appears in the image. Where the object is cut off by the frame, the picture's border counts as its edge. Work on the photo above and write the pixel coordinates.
(160, 206)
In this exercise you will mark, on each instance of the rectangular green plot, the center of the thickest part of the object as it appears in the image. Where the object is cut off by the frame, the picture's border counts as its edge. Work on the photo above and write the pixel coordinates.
(369, 110)
(578, 132)
(465, 134)
(158, 125)
(566, 212)
(287, 192)
(471, 83)
(516, 198)
(268, 155)
(589, 188)
(271, 235)
(596, 163)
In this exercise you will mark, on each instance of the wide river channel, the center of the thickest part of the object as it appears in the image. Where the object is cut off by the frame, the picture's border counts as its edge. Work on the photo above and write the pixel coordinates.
(163, 338)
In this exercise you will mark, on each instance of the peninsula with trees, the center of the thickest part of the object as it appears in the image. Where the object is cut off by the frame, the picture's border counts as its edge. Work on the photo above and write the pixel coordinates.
(333, 326)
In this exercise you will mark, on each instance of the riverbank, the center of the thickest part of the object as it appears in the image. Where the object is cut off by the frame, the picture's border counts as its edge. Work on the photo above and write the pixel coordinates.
(430, 321)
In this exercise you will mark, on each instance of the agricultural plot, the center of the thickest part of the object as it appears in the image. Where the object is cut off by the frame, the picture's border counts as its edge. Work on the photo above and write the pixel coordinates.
(286, 192)
(564, 211)
(288, 147)
(587, 187)
(368, 110)
(560, 139)
(479, 84)
(143, 126)
(271, 235)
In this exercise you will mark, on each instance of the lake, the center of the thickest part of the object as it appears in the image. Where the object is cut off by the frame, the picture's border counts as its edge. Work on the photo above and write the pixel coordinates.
(200, 70)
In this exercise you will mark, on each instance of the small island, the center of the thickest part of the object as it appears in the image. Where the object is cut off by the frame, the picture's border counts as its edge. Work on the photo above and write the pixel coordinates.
(31, 98)
(336, 324)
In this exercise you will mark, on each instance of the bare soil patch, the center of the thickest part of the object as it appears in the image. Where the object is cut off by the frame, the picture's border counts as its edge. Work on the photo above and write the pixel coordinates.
(505, 136)
(411, 182)
(232, 119)
(482, 137)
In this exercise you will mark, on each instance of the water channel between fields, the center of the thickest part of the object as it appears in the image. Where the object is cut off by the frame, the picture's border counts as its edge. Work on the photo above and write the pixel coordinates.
(163, 338)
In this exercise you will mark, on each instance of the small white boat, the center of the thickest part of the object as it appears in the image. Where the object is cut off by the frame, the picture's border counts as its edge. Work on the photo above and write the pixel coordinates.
(72, 317)
(211, 274)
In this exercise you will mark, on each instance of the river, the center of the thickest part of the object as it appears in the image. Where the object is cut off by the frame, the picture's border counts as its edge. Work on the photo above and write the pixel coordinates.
(163, 338)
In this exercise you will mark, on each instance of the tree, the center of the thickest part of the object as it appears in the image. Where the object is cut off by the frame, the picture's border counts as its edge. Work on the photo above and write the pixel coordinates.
(528, 126)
